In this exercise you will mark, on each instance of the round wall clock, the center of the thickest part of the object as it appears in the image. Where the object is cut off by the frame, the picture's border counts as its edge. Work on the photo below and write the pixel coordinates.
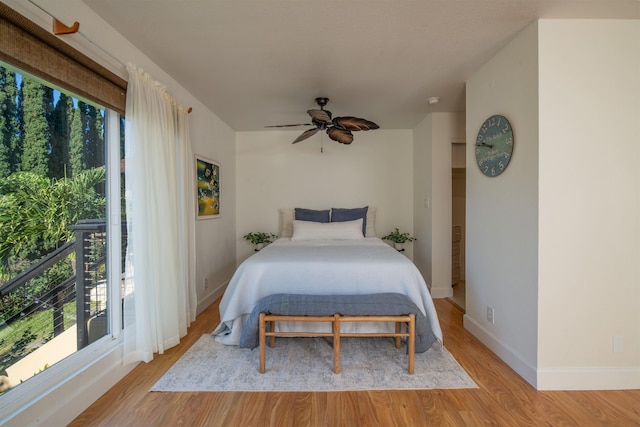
(494, 145)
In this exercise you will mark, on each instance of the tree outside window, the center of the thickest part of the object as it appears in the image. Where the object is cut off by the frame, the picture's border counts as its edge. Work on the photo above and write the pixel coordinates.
(52, 178)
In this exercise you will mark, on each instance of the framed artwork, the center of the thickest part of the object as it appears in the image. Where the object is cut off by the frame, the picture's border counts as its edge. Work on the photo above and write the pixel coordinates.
(207, 188)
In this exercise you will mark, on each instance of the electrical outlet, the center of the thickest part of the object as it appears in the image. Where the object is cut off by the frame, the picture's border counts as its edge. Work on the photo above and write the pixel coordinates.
(205, 283)
(490, 315)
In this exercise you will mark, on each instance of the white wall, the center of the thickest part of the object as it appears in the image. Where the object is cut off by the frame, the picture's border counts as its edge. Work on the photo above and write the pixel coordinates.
(215, 238)
(422, 198)
(553, 244)
(589, 277)
(432, 162)
(375, 170)
(502, 212)
(49, 398)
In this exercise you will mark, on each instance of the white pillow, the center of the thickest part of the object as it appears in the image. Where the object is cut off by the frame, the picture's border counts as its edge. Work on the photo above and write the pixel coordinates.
(371, 222)
(287, 215)
(286, 222)
(309, 230)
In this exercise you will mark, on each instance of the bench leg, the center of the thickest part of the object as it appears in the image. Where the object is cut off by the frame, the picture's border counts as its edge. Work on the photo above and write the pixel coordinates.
(262, 342)
(411, 325)
(412, 342)
(272, 328)
(336, 343)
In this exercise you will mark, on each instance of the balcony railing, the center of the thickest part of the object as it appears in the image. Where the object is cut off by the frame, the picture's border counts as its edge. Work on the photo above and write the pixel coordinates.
(49, 288)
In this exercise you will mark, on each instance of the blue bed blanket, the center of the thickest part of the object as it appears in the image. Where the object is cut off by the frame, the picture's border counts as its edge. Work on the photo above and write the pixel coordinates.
(384, 304)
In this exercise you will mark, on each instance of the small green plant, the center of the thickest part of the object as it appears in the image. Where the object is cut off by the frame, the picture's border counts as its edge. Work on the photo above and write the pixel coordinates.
(258, 238)
(46, 366)
(398, 237)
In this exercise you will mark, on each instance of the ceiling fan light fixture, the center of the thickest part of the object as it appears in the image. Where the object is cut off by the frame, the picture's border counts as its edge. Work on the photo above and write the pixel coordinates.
(337, 128)
(433, 100)
(322, 101)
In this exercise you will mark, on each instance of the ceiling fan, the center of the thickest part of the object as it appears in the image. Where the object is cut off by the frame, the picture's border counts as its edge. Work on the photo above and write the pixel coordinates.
(338, 128)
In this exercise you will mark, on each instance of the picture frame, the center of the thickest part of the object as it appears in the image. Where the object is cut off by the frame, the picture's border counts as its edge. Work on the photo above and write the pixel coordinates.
(207, 188)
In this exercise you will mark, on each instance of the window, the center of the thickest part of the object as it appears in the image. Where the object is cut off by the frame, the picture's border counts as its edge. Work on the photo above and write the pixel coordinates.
(60, 257)
(70, 153)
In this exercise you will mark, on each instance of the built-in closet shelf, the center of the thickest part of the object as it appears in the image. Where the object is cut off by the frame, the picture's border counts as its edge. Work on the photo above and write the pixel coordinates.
(456, 238)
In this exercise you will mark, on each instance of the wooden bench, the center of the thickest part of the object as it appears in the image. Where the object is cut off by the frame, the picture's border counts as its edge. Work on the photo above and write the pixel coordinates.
(335, 320)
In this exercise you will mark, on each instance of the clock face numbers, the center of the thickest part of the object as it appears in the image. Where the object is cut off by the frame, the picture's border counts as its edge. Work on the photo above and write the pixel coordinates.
(494, 145)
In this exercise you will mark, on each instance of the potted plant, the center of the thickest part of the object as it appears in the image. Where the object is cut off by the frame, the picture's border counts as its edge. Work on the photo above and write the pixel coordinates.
(398, 238)
(259, 239)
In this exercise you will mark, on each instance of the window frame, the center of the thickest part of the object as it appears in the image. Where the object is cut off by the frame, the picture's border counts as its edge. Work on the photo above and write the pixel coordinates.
(32, 399)
(48, 380)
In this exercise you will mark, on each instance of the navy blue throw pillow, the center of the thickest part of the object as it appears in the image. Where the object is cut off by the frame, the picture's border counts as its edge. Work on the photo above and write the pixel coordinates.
(341, 215)
(312, 215)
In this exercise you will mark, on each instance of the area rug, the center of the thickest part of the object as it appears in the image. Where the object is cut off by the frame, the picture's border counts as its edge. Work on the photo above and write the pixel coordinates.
(306, 364)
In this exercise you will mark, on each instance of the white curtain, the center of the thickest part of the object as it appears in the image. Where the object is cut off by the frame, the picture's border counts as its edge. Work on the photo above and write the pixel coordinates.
(159, 290)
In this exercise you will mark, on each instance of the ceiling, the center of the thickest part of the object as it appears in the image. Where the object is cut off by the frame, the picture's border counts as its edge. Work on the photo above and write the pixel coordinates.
(262, 62)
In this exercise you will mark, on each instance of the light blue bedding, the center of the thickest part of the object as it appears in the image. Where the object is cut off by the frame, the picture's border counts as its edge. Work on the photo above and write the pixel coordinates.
(320, 267)
(387, 304)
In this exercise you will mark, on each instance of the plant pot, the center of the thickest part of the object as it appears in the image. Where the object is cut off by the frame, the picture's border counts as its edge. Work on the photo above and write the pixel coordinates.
(398, 246)
(258, 246)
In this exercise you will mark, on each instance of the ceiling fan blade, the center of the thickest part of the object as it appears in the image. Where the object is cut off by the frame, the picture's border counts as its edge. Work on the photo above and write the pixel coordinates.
(306, 134)
(288, 126)
(343, 136)
(321, 116)
(354, 123)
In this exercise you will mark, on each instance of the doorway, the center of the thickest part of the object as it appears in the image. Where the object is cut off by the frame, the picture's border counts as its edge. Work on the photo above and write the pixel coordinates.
(458, 219)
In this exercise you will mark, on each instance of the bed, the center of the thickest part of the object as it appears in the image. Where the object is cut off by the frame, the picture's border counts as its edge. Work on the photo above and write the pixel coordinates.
(322, 259)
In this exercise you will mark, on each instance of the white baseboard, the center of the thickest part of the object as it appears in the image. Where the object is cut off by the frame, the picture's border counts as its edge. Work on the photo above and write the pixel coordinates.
(566, 378)
(589, 378)
(441, 292)
(503, 351)
(211, 297)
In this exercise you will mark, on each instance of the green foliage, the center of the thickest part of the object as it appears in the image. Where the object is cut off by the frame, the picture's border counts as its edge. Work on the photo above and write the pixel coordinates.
(21, 298)
(20, 215)
(38, 205)
(86, 144)
(36, 213)
(5, 168)
(42, 195)
(259, 237)
(30, 332)
(60, 126)
(397, 237)
(9, 124)
(94, 141)
(45, 131)
(76, 144)
(35, 143)
(15, 348)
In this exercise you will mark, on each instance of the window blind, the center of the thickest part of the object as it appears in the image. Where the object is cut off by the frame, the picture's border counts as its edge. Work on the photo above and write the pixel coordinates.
(26, 45)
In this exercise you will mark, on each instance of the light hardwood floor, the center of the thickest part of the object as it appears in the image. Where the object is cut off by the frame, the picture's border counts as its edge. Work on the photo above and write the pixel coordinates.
(503, 399)
(459, 296)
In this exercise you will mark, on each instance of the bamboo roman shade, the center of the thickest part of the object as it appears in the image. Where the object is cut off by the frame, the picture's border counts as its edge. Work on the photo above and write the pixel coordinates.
(26, 45)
